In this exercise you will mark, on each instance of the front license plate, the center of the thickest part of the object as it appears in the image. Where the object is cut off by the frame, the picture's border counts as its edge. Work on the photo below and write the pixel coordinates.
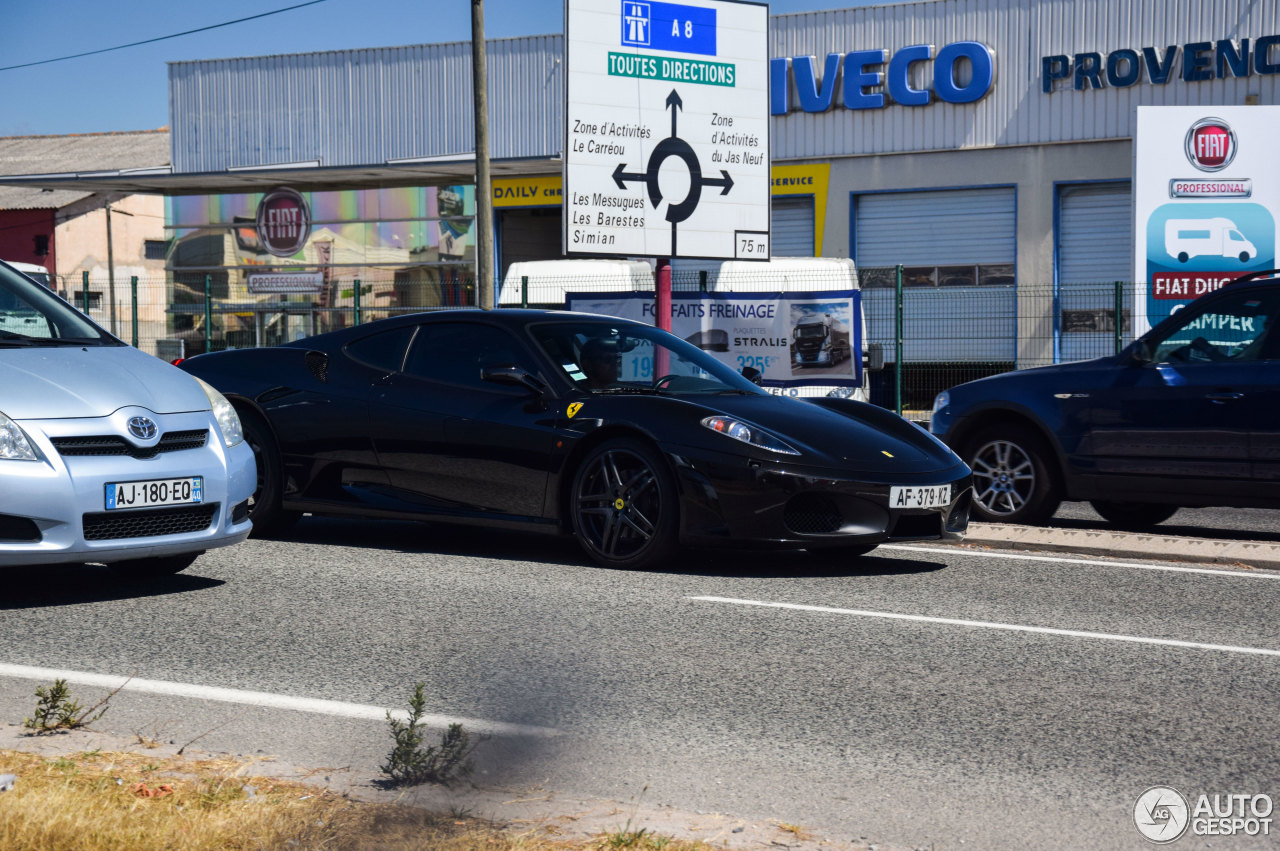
(152, 492)
(926, 496)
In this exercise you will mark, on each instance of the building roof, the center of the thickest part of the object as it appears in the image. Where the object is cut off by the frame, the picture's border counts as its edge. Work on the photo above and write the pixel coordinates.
(74, 154)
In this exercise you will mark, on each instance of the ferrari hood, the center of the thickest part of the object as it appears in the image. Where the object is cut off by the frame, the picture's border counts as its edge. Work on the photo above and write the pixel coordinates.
(853, 435)
(62, 383)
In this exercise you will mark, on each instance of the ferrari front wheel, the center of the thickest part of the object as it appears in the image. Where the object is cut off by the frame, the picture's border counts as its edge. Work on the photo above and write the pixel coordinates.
(264, 506)
(623, 505)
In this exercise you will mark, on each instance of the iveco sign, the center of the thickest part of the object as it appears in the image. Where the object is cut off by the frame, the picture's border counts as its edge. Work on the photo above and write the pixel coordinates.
(961, 72)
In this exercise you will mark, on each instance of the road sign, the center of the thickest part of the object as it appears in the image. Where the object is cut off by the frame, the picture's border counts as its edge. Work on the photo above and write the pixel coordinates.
(667, 129)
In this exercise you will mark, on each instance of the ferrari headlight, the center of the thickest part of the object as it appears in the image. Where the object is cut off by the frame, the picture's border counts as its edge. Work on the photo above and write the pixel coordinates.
(14, 445)
(225, 413)
(747, 433)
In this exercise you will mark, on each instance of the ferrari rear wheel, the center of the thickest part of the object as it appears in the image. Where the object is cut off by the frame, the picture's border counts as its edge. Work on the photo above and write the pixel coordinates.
(264, 506)
(623, 505)
(153, 568)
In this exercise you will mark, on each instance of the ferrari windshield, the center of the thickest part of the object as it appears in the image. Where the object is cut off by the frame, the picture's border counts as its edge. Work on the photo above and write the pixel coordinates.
(32, 316)
(600, 357)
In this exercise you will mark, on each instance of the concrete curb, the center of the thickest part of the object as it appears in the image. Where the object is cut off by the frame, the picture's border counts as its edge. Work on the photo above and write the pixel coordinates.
(1101, 542)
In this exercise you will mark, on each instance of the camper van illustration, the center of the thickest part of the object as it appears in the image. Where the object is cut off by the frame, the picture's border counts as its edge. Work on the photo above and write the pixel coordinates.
(1218, 237)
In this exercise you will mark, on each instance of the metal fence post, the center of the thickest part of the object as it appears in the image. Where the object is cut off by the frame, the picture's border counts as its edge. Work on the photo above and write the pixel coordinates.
(897, 340)
(133, 288)
(84, 291)
(355, 300)
(524, 291)
(702, 280)
(208, 313)
(1119, 316)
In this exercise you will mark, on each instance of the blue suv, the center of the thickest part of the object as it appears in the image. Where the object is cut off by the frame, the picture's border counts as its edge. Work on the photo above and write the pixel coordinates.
(1187, 415)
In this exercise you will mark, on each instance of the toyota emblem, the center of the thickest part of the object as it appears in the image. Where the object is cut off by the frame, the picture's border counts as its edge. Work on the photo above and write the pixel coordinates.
(142, 428)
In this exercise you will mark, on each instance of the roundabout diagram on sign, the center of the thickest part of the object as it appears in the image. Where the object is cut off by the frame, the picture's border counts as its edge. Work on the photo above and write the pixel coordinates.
(674, 146)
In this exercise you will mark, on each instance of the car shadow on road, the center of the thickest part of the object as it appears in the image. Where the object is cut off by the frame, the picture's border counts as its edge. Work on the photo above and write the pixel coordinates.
(473, 542)
(795, 564)
(71, 584)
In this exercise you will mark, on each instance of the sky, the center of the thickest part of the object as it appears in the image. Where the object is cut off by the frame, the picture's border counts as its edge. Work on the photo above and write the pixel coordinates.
(128, 89)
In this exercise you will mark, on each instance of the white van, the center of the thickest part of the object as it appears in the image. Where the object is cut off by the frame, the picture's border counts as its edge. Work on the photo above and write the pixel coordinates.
(39, 274)
(549, 281)
(820, 341)
(1218, 237)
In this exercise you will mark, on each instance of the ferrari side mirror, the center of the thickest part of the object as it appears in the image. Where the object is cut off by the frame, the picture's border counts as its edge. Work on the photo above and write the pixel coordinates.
(513, 376)
(752, 374)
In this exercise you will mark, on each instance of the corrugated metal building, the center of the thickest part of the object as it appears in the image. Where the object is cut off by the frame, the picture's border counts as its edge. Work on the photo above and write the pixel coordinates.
(980, 143)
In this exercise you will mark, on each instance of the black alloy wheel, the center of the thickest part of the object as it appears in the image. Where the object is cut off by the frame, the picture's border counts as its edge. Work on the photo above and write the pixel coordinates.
(1012, 478)
(623, 505)
(1133, 515)
(264, 506)
(153, 568)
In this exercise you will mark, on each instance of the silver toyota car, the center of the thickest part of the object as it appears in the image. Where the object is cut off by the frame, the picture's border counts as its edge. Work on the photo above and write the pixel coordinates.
(109, 455)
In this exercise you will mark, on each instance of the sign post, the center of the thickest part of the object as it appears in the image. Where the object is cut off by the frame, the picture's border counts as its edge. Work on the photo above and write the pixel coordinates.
(666, 132)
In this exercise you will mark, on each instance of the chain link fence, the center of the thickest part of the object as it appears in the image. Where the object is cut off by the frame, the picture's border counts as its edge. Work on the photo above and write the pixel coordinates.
(931, 337)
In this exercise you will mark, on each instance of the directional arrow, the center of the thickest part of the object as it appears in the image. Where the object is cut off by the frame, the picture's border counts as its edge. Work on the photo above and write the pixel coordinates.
(619, 176)
(674, 103)
(726, 182)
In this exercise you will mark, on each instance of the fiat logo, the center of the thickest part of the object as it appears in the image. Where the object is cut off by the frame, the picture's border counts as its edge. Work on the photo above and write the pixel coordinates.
(283, 222)
(1211, 145)
(142, 428)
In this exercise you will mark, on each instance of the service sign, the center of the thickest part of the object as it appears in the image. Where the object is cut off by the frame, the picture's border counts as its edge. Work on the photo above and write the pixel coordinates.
(667, 129)
(792, 339)
(1206, 201)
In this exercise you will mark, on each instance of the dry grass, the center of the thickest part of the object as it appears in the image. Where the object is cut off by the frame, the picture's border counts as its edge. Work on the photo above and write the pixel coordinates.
(98, 802)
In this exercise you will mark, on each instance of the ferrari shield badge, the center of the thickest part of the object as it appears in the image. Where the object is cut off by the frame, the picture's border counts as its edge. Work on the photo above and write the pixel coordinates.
(573, 409)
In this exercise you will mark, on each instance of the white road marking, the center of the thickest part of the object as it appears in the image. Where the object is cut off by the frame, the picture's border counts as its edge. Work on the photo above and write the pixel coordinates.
(1242, 574)
(1040, 630)
(317, 706)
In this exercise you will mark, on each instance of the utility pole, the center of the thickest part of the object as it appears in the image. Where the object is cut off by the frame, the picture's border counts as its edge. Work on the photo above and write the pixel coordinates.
(484, 186)
(111, 271)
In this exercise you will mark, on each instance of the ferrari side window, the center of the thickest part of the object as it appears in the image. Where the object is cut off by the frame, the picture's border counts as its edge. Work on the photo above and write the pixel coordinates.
(384, 350)
(457, 352)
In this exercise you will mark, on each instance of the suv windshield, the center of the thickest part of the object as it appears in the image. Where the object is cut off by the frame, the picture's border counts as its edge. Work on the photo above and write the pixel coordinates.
(31, 315)
(600, 357)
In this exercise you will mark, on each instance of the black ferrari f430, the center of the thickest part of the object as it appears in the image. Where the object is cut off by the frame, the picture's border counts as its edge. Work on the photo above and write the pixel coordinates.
(630, 439)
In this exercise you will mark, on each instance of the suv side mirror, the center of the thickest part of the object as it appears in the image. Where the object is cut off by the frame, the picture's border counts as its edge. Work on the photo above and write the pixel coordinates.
(1136, 353)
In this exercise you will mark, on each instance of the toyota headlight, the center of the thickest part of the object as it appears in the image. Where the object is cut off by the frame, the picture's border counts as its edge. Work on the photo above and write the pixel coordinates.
(14, 445)
(747, 433)
(225, 413)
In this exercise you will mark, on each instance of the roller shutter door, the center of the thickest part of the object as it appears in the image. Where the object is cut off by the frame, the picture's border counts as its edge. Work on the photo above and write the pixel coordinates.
(1095, 234)
(944, 228)
(1095, 249)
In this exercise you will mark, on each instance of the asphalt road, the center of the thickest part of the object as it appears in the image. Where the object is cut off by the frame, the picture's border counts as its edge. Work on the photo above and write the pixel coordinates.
(1034, 723)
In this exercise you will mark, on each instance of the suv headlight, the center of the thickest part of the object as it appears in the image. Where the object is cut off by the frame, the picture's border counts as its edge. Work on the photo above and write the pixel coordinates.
(225, 413)
(941, 401)
(14, 445)
(753, 435)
